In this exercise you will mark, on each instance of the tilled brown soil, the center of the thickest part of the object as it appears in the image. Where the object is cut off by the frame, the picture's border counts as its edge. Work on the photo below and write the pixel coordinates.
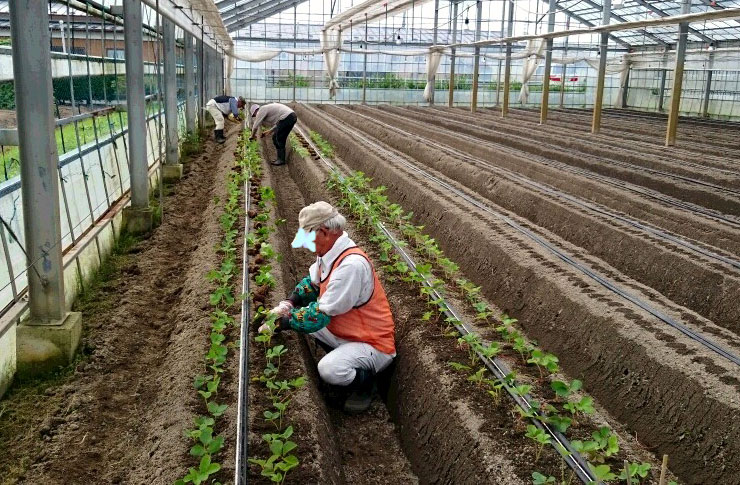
(699, 283)
(670, 391)
(719, 193)
(120, 417)
(700, 136)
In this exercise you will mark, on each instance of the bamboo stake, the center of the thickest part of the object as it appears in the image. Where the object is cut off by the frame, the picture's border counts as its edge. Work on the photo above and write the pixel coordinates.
(663, 470)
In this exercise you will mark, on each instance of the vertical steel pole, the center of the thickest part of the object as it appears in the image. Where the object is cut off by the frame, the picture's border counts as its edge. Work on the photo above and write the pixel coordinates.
(29, 28)
(661, 91)
(498, 72)
(507, 68)
(295, 45)
(564, 70)
(136, 104)
(189, 85)
(683, 33)
(545, 103)
(170, 92)
(707, 87)
(433, 81)
(603, 46)
(364, 67)
(451, 95)
(200, 54)
(476, 62)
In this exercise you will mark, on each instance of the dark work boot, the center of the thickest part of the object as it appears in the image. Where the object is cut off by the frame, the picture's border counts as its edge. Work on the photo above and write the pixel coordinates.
(219, 136)
(361, 395)
(280, 156)
(278, 162)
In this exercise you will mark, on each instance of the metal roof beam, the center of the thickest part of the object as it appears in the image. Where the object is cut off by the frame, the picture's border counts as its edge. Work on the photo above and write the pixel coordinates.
(263, 14)
(242, 9)
(225, 3)
(622, 19)
(662, 13)
(588, 23)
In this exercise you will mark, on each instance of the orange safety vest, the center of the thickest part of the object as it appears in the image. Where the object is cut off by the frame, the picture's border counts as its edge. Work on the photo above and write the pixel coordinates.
(370, 322)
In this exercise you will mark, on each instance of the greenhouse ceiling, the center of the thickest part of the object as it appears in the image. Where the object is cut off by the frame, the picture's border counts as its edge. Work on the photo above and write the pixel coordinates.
(238, 14)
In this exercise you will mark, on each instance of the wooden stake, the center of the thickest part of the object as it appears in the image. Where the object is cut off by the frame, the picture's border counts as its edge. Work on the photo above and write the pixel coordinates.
(627, 472)
(663, 470)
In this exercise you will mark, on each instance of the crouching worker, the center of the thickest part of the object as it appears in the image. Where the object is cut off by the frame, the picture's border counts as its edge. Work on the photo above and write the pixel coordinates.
(342, 304)
(280, 119)
(221, 106)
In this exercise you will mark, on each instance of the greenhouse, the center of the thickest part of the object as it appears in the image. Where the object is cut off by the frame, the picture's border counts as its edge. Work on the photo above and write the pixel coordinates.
(363, 242)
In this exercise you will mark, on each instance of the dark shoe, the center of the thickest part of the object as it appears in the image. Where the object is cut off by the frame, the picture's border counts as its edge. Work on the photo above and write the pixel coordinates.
(361, 396)
(219, 136)
(278, 162)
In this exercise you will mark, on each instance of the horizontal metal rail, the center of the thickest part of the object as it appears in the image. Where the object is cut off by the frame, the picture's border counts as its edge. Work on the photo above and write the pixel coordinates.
(562, 255)
(497, 367)
(660, 234)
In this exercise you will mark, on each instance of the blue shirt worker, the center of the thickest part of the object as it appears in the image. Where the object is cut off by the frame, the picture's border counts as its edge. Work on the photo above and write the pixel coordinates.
(221, 106)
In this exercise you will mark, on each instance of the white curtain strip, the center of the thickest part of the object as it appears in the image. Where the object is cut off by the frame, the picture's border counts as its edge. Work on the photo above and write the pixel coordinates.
(212, 17)
(433, 59)
(229, 72)
(331, 43)
(530, 67)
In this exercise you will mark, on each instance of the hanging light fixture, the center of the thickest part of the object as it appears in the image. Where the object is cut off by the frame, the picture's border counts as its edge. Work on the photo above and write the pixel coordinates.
(398, 39)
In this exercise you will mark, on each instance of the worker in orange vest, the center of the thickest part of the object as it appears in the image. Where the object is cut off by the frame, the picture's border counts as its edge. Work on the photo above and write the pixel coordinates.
(342, 304)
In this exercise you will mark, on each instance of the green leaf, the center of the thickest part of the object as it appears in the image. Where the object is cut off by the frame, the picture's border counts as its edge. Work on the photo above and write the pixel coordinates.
(198, 450)
(217, 409)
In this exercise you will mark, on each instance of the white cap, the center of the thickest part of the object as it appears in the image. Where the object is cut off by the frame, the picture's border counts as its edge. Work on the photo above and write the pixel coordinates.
(253, 109)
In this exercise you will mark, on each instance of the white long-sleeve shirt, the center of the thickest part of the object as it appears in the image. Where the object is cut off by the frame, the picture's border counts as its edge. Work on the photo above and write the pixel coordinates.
(351, 283)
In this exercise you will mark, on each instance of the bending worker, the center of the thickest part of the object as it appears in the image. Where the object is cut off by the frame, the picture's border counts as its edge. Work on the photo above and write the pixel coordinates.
(280, 119)
(342, 304)
(224, 105)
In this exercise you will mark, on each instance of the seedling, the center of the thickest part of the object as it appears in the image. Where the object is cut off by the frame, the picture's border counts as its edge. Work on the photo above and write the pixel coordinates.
(635, 472)
(540, 479)
(584, 406)
(478, 377)
(563, 389)
(275, 353)
(201, 474)
(543, 360)
(458, 366)
(521, 345)
(538, 436)
(602, 473)
(495, 390)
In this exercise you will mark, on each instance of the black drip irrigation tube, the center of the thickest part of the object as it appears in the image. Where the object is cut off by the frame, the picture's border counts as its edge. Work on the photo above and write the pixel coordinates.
(667, 199)
(557, 193)
(602, 280)
(242, 418)
(498, 368)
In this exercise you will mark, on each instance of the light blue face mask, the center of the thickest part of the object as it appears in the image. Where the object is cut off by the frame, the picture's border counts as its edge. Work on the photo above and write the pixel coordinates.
(305, 239)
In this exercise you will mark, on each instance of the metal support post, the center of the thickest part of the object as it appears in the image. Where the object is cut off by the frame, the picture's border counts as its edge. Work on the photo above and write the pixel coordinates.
(172, 169)
(295, 45)
(564, 70)
(200, 54)
(138, 217)
(364, 67)
(545, 103)
(476, 62)
(433, 81)
(170, 92)
(29, 27)
(507, 67)
(683, 33)
(451, 95)
(189, 85)
(661, 91)
(707, 87)
(498, 71)
(136, 104)
(603, 47)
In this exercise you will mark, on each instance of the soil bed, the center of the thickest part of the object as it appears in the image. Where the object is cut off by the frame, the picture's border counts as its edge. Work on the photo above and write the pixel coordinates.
(660, 385)
(120, 417)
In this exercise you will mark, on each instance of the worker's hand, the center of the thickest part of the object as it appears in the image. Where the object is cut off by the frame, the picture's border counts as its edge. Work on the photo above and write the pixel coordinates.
(265, 328)
(283, 309)
(231, 117)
